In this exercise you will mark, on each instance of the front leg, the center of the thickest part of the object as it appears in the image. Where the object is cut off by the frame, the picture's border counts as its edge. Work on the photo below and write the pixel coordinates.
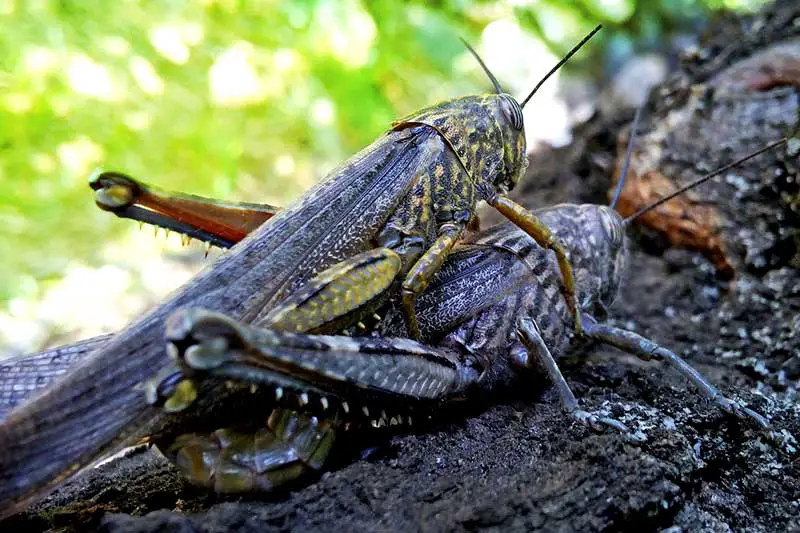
(538, 231)
(423, 272)
(647, 350)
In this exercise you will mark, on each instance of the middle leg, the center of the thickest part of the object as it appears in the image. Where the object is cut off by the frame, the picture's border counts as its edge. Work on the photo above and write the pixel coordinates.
(529, 335)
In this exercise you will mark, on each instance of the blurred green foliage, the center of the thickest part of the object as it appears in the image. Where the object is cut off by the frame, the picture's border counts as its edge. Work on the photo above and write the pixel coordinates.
(250, 100)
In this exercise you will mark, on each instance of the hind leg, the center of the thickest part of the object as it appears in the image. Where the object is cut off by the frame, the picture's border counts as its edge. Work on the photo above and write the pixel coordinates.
(647, 350)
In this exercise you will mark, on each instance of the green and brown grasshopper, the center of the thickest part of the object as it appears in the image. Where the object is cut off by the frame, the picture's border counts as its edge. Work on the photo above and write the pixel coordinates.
(491, 314)
(392, 212)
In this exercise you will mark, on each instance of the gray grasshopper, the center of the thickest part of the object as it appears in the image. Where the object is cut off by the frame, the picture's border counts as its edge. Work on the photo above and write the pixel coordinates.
(399, 205)
(490, 315)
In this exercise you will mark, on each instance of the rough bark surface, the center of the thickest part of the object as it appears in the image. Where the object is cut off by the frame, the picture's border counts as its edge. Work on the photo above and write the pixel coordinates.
(517, 463)
(732, 96)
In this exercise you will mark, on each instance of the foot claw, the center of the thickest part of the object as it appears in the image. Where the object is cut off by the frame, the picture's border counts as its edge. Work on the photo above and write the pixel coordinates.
(201, 339)
(740, 411)
(599, 423)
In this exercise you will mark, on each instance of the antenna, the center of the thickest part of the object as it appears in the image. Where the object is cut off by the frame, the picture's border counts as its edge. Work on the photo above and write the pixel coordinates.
(561, 63)
(628, 153)
(497, 88)
(705, 178)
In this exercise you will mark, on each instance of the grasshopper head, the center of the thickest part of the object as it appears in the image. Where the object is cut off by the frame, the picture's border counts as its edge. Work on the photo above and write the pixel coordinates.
(610, 229)
(607, 229)
(508, 114)
(594, 238)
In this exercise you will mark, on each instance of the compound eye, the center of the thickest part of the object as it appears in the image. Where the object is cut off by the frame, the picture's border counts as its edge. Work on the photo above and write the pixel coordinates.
(611, 227)
(511, 111)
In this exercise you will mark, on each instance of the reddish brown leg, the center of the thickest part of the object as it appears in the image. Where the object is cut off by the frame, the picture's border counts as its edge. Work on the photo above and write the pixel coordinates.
(218, 222)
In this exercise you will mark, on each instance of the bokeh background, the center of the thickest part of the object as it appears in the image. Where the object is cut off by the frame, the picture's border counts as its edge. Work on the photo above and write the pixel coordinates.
(248, 100)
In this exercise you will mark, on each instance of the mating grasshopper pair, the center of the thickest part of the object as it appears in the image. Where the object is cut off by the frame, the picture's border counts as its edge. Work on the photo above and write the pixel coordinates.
(491, 314)
(261, 281)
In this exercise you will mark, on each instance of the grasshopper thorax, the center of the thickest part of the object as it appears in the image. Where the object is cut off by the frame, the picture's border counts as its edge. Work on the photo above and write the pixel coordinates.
(486, 134)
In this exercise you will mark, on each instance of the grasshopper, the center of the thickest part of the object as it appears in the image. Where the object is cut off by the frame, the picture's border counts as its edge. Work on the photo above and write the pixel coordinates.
(478, 340)
(393, 211)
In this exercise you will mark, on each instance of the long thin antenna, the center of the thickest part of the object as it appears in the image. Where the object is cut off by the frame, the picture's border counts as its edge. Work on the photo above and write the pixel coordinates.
(705, 178)
(497, 88)
(561, 63)
(628, 152)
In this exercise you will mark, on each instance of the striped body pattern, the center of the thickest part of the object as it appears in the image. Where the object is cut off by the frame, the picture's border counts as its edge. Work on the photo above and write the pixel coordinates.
(501, 274)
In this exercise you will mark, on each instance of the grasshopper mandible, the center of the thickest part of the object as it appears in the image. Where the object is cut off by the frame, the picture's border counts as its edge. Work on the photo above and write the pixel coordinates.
(400, 204)
(481, 339)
